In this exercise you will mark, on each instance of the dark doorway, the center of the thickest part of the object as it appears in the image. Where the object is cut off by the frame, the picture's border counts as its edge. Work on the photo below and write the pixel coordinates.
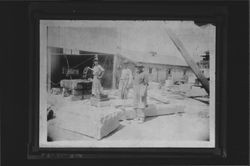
(75, 64)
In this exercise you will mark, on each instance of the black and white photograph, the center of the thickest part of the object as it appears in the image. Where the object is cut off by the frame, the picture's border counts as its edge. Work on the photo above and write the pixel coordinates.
(127, 83)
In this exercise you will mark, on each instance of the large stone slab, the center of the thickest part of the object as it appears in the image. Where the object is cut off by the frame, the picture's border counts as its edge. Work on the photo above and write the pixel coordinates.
(163, 109)
(127, 113)
(93, 122)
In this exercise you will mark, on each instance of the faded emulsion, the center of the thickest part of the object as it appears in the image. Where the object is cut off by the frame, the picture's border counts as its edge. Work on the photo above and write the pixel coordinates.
(127, 84)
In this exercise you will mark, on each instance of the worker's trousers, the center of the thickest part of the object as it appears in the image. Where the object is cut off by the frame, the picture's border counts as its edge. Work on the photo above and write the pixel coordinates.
(124, 88)
(96, 87)
(140, 96)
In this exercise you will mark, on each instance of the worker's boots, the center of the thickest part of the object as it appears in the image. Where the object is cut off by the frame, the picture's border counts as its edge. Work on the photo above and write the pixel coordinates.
(140, 115)
(140, 119)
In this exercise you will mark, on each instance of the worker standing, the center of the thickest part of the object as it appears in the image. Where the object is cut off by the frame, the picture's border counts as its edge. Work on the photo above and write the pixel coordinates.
(140, 91)
(98, 72)
(125, 81)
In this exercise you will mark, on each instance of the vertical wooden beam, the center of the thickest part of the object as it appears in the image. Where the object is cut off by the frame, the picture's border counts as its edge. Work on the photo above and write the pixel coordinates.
(114, 71)
(48, 62)
(179, 45)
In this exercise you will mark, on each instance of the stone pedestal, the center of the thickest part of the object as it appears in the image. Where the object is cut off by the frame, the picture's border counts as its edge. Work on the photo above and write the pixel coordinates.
(100, 102)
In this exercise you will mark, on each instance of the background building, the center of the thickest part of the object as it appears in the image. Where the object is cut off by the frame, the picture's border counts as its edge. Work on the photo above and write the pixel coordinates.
(71, 48)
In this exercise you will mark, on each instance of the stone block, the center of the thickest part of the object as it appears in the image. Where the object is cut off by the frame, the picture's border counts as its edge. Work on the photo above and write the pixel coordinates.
(93, 122)
(163, 109)
(104, 102)
(150, 111)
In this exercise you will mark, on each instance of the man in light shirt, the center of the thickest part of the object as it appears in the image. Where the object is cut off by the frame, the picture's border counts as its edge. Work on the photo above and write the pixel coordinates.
(141, 82)
(125, 81)
(98, 72)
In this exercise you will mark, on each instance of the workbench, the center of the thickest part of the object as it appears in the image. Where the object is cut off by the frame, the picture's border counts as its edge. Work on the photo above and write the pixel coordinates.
(77, 87)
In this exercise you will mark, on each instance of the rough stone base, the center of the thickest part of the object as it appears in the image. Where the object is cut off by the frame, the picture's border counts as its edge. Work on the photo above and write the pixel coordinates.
(103, 102)
(96, 123)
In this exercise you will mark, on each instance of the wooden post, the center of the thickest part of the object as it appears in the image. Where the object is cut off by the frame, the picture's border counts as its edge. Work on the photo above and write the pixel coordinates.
(189, 60)
(114, 71)
(48, 62)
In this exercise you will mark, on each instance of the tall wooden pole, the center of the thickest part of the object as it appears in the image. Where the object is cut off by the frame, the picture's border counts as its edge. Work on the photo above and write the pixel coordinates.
(49, 79)
(189, 59)
(114, 71)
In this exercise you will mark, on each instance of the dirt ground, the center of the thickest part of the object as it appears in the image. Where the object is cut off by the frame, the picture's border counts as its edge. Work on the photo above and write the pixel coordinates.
(190, 125)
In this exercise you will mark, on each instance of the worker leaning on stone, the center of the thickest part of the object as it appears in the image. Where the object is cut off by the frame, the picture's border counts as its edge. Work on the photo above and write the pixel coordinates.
(140, 91)
(98, 72)
(125, 81)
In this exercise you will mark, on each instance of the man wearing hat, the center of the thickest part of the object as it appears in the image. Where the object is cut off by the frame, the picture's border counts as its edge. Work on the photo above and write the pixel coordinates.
(98, 72)
(125, 80)
(140, 91)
